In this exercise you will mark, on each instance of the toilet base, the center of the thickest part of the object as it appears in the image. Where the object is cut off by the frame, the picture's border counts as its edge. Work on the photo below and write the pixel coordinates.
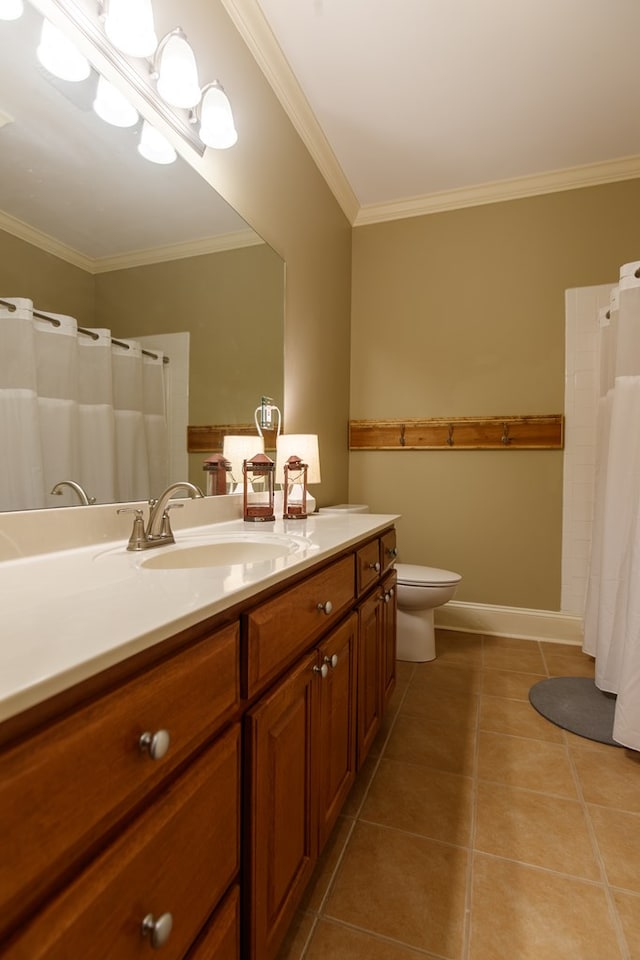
(416, 639)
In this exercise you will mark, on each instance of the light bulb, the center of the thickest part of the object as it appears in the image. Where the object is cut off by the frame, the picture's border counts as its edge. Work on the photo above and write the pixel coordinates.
(112, 106)
(217, 128)
(129, 26)
(154, 146)
(11, 9)
(60, 56)
(178, 82)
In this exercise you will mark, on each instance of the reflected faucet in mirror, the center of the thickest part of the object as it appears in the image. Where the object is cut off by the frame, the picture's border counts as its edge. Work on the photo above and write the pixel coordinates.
(158, 532)
(83, 497)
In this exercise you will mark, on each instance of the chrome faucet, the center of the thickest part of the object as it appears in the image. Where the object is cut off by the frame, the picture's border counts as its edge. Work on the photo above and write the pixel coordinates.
(158, 531)
(84, 499)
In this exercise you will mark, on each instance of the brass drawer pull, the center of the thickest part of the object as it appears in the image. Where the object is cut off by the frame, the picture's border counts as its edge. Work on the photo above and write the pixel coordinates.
(155, 744)
(157, 930)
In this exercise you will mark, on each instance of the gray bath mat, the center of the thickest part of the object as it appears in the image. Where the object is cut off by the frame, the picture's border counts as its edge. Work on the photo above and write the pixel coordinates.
(576, 704)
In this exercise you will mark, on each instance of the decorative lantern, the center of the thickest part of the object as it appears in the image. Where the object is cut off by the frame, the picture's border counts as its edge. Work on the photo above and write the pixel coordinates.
(216, 468)
(295, 489)
(258, 504)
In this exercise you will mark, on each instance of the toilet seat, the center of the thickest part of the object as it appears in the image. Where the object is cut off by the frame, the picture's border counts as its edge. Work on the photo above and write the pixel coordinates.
(414, 575)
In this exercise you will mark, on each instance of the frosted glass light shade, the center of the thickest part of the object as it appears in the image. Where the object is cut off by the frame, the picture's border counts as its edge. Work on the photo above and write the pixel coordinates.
(60, 56)
(11, 9)
(154, 146)
(217, 128)
(112, 106)
(302, 445)
(178, 82)
(129, 26)
(236, 449)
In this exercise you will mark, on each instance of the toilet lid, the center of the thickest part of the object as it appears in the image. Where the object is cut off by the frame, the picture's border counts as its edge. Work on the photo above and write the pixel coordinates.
(417, 576)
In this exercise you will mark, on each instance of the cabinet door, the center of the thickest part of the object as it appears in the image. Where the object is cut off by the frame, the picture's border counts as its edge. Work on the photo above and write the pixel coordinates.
(282, 843)
(389, 626)
(336, 740)
(369, 672)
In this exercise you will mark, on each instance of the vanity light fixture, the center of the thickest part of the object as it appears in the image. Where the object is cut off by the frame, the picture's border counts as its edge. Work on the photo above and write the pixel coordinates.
(112, 106)
(60, 56)
(154, 146)
(129, 26)
(11, 9)
(176, 71)
(217, 128)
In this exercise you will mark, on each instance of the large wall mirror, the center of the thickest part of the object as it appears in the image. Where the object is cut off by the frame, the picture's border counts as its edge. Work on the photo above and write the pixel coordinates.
(90, 229)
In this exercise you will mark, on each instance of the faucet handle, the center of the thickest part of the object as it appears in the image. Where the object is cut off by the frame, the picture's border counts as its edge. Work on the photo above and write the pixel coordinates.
(137, 538)
(165, 529)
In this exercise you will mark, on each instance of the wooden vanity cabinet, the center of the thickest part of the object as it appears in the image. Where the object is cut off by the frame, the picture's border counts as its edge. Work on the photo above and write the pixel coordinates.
(301, 742)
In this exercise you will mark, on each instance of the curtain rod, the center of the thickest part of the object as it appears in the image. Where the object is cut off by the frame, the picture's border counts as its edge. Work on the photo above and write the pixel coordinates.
(87, 333)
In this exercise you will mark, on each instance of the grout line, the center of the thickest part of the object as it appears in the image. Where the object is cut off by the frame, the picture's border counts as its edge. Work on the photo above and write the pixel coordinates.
(468, 911)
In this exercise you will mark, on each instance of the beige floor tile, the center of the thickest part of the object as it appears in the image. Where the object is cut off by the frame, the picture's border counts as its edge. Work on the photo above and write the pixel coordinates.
(568, 664)
(530, 764)
(462, 648)
(524, 656)
(415, 889)
(440, 706)
(414, 798)
(360, 787)
(404, 670)
(523, 913)
(435, 745)
(515, 717)
(332, 941)
(442, 675)
(326, 866)
(618, 836)
(610, 776)
(509, 683)
(297, 935)
(628, 907)
(533, 828)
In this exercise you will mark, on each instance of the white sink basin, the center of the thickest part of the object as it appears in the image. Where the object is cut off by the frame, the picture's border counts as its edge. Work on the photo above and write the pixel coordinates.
(220, 554)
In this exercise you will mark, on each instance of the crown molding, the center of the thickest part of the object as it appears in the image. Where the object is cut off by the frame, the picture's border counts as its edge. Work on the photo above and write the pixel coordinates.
(44, 242)
(258, 36)
(571, 178)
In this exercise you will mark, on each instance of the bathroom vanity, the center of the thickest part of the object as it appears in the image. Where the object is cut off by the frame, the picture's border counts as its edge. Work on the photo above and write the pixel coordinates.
(177, 742)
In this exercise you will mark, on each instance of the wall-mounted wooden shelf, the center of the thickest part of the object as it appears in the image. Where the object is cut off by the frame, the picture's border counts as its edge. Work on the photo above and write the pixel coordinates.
(459, 433)
(209, 439)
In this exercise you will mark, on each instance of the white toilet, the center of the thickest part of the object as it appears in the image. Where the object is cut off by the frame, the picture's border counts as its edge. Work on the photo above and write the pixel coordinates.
(420, 591)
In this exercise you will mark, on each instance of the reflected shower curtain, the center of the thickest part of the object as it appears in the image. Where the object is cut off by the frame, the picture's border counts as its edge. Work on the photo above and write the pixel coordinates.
(76, 406)
(612, 613)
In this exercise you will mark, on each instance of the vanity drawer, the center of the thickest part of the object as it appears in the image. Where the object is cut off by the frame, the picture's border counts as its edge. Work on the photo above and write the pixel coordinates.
(61, 789)
(178, 858)
(221, 939)
(388, 550)
(281, 628)
(368, 565)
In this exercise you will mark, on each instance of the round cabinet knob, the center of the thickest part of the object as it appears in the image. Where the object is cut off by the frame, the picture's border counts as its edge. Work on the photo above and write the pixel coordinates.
(392, 551)
(323, 671)
(375, 566)
(326, 607)
(155, 744)
(386, 596)
(158, 930)
(332, 661)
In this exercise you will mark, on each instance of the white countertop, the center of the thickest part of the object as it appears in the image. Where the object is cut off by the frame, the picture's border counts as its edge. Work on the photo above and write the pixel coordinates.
(67, 615)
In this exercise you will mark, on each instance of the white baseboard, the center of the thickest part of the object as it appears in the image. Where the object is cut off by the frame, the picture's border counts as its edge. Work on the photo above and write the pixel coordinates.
(516, 622)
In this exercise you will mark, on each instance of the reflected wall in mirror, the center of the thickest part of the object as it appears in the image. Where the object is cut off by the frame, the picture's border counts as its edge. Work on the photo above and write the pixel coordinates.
(90, 229)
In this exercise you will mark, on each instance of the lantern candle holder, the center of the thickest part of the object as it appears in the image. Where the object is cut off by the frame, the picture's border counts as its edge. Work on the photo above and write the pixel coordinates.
(295, 489)
(258, 504)
(218, 470)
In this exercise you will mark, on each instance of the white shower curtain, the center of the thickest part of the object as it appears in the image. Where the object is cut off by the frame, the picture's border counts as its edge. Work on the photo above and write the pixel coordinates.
(612, 613)
(76, 406)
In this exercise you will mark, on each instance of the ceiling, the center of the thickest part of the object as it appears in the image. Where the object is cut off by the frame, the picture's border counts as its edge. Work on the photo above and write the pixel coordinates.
(413, 105)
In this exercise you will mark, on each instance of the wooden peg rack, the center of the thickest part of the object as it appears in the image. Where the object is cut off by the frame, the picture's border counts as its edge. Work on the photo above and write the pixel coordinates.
(459, 433)
(209, 439)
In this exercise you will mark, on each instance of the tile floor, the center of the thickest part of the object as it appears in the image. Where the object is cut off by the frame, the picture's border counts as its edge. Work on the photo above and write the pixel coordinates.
(478, 830)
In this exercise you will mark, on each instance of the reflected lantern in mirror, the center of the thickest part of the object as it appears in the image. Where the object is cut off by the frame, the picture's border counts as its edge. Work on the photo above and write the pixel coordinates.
(218, 471)
(257, 496)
